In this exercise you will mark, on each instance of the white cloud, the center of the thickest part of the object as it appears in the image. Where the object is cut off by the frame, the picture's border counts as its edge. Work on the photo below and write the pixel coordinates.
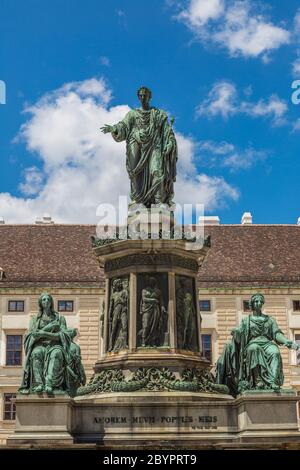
(296, 66)
(104, 61)
(296, 33)
(296, 125)
(224, 154)
(273, 107)
(33, 181)
(203, 189)
(223, 100)
(191, 187)
(202, 11)
(248, 90)
(244, 160)
(217, 148)
(81, 168)
(120, 13)
(92, 87)
(297, 23)
(186, 151)
(236, 25)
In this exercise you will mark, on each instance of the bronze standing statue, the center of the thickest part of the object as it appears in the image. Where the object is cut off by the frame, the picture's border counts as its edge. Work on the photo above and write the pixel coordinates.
(151, 150)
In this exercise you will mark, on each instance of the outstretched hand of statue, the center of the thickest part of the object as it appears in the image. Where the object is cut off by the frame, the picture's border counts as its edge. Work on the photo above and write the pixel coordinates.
(106, 128)
(291, 345)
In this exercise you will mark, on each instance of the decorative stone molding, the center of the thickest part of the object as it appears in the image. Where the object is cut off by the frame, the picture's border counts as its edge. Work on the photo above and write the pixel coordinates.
(161, 235)
(160, 259)
(152, 379)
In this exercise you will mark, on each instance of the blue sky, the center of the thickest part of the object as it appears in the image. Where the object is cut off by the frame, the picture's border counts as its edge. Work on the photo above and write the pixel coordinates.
(223, 68)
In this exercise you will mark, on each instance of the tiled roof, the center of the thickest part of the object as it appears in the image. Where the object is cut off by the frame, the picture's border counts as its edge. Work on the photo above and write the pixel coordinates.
(48, 255)
(252, 255)
(61, 255)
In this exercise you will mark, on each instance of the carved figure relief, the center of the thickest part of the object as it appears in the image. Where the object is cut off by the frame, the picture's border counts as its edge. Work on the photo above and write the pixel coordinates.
(153, 315)
(118, 314)
(186, 314)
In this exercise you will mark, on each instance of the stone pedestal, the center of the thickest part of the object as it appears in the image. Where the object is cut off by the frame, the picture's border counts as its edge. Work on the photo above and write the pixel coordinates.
(187, 420)
(139, 354)
(42, 421)
(159, 420)
(141, 221)
(272, 417)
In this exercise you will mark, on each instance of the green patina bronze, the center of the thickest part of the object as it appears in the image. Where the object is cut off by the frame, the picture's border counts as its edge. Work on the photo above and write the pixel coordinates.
(118, 315)
(152, 379)
(252, 360)
(75, 374)
(151, 151)
(186, 316)
(53, 361)
(154, 315)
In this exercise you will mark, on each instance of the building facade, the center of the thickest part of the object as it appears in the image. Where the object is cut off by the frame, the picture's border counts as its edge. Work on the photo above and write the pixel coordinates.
(54, 258)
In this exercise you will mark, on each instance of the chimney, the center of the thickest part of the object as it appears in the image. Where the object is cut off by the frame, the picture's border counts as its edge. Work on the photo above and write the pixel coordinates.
(2, 221)
(246, 218)
(45, 220)
(209, 220)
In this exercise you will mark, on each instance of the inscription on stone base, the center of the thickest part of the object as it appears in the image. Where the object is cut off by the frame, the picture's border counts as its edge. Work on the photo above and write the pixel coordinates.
(208, 421)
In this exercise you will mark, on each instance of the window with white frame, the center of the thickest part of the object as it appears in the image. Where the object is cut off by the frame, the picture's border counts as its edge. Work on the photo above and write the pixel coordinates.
(205, 305)
(296, 305)
(14, 350)
(206, 346)
(9, 409)
(16, 305)
(65, 305)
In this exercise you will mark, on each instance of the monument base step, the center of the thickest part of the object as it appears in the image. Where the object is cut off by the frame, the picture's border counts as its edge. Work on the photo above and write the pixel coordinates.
(158, 420)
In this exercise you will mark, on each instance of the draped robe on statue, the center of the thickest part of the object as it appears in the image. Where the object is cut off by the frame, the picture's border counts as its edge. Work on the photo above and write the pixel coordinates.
(50, 360)
(186, 320)
(152, 333)
(252, 358)
(148, 134)
(118, 321)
